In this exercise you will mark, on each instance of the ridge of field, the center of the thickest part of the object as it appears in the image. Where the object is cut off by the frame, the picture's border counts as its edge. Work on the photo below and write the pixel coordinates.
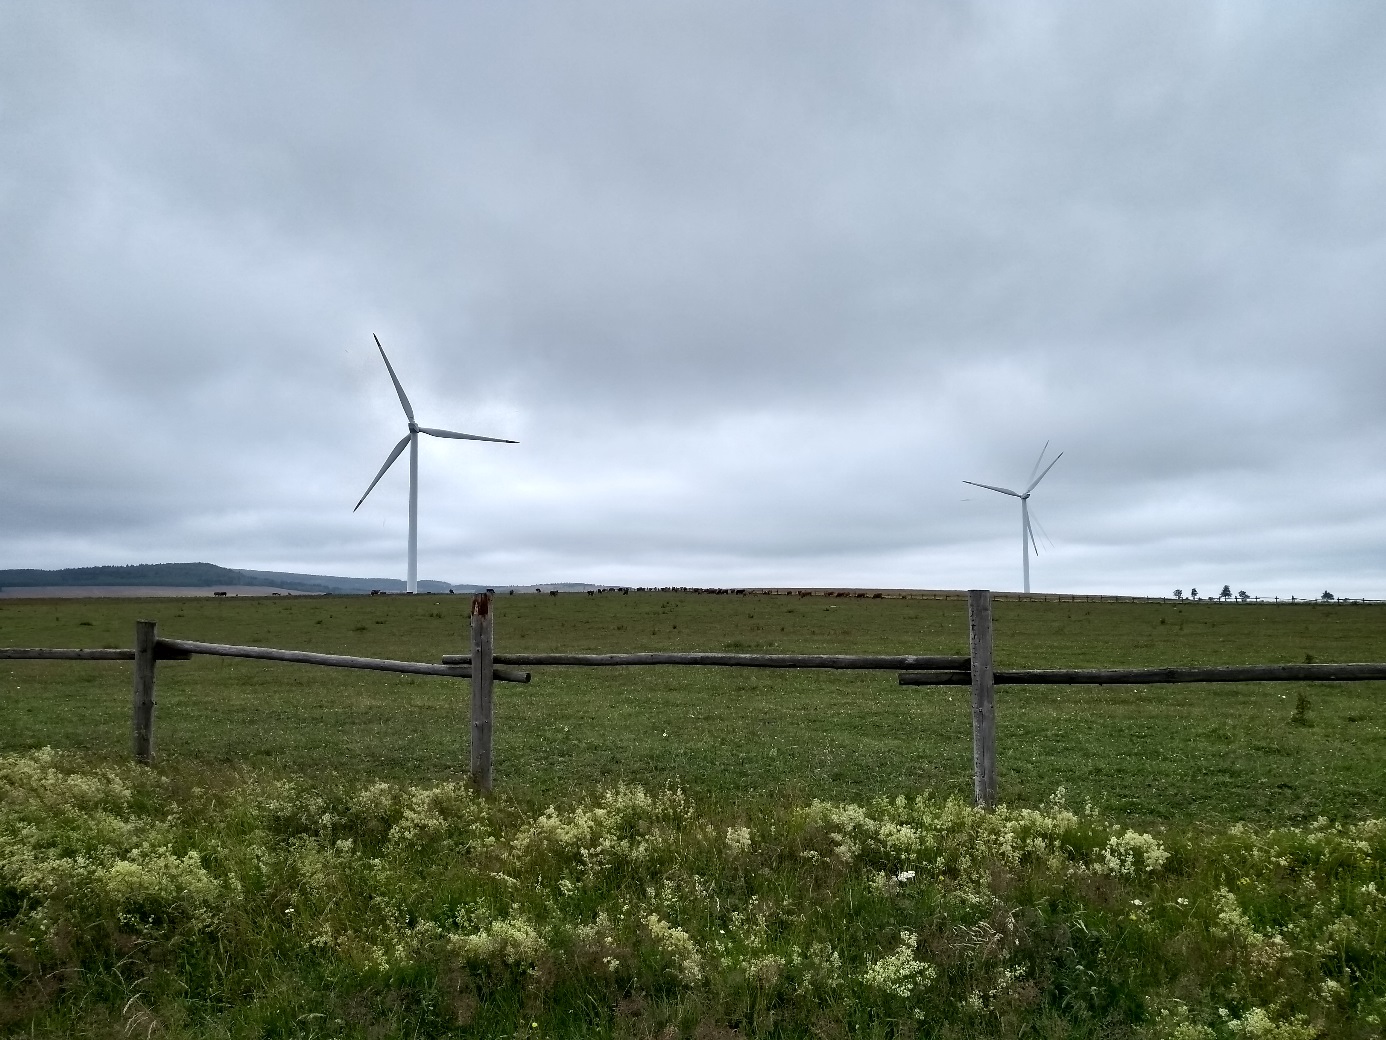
(168, 576)
(735, 736)
(144, 591)
(171, 579)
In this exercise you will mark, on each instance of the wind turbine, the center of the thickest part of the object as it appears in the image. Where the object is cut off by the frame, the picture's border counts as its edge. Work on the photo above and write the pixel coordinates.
(1027, 536)
(411, 441)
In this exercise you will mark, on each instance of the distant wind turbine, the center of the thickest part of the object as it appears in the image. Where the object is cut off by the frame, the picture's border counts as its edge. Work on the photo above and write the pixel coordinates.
(1027, 535)
(411, 440)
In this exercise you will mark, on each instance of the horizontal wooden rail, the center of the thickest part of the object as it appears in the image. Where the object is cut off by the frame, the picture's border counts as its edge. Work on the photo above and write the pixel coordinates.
(262, 653)
(47, 654)
(22, 654)
(844, 661)
(1139, 676)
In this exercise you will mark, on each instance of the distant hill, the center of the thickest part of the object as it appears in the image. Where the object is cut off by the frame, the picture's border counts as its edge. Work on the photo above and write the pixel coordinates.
(180, 575)
(205, 575)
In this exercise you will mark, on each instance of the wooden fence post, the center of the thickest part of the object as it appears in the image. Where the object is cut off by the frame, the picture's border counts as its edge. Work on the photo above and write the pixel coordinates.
(983, 700)
(483, 713)
(142, 707)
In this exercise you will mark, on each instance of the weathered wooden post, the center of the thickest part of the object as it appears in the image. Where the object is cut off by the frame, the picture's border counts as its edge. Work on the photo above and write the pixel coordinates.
(142, 707)
(483, 679)
(983, 700)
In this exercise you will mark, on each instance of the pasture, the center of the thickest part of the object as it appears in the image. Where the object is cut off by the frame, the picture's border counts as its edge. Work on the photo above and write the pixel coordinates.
(692, 852)
(1193, 753)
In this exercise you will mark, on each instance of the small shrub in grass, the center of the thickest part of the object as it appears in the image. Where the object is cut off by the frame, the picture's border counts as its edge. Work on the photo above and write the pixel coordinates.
(128, 903)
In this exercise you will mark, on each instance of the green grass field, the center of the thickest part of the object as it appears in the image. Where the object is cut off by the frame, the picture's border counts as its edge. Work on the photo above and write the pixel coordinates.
(1191, 753)
(692, 852)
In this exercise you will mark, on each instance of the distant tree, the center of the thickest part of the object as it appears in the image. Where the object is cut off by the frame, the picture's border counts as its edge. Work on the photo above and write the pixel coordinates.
(1178, 593)
(1193, 594)
(1327, 596)
(1243, 596)
(1226, 592)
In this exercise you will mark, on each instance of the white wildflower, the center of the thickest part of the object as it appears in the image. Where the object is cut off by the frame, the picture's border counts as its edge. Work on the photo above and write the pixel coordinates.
(1257, 1024)
(678, 945)
(900, 972)
(765, 971)
(1133, 852)
(513, 941)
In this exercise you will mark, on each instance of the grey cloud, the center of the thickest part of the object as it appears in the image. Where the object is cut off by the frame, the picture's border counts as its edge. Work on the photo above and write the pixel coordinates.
(756, 285)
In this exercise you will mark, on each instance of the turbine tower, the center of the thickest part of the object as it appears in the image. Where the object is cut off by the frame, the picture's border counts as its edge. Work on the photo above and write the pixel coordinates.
(1027, 536)
(411, 440)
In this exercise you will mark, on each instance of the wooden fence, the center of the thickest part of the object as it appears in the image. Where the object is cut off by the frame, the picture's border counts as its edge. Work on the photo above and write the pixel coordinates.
(150, 649)
(483, 666)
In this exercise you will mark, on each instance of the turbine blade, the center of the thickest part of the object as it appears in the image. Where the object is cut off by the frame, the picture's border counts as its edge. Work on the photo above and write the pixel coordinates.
(1004, 491)
(1035, 468)
(1034, 483)
(1039, 524)
(1031, 532)
(408, 408)
(388, 463)
(464, 436)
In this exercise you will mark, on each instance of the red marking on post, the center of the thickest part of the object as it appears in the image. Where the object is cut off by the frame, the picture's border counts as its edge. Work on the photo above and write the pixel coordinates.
(481, 604)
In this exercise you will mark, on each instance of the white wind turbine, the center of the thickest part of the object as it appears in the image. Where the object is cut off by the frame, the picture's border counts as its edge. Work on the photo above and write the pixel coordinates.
(411, 440)
(1027, 536)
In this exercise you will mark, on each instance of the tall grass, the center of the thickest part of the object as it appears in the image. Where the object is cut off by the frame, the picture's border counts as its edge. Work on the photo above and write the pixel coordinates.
(139, 904)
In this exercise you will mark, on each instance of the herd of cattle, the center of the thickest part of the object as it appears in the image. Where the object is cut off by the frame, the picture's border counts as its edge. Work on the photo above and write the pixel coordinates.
(733, 592)
(627, 590)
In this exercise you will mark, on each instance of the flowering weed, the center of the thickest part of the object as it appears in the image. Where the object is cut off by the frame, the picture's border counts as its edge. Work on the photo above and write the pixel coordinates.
(274, 906)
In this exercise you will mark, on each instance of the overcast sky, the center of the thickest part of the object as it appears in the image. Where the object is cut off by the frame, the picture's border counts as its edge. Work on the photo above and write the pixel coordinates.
(756, 286)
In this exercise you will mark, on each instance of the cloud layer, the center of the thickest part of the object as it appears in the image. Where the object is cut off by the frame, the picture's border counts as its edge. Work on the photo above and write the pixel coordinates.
(757, 286)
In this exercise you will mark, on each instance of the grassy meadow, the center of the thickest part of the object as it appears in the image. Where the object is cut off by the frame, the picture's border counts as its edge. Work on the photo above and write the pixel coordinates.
(1231, 752)
(692, 851)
